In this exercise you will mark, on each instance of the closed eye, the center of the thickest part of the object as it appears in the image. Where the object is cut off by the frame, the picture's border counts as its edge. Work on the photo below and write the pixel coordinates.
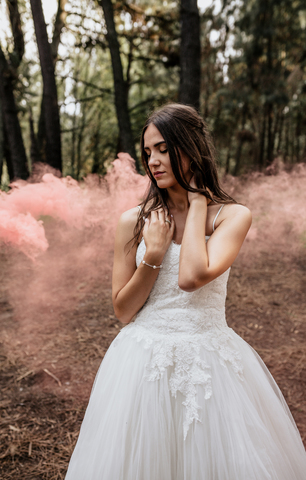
(161, 151)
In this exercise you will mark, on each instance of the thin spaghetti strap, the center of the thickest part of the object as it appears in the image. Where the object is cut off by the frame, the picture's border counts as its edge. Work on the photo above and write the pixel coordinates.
(140, 209)
(217, 216)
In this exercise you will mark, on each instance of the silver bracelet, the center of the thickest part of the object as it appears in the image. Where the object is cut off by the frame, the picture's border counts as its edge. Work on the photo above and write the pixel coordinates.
(152, 266)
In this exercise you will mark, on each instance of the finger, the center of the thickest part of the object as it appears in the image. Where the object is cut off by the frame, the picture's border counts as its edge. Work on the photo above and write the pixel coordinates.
(172, 226)
(146, 225)
(161, 215)
(168, 220)
(153, 216)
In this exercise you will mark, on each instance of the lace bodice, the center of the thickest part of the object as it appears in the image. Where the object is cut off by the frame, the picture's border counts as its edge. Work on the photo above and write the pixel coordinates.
(172, 310)
(176, 324)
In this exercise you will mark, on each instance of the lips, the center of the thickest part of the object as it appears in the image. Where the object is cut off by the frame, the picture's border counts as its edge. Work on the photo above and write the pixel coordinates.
(158, 174)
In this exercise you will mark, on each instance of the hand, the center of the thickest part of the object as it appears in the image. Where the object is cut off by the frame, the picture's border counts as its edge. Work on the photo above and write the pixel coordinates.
(158, 233)
(194, 195)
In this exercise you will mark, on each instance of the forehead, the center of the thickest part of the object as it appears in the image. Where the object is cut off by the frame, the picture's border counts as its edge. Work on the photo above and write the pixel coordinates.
(152, 135)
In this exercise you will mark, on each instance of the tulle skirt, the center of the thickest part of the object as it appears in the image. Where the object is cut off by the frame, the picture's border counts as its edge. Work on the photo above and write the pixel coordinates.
(135, 426)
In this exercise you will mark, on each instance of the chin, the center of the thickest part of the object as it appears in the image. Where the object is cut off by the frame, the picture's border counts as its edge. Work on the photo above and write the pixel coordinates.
(165, 183)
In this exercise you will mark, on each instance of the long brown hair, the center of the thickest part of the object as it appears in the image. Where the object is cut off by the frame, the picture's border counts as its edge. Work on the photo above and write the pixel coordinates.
(183, 130)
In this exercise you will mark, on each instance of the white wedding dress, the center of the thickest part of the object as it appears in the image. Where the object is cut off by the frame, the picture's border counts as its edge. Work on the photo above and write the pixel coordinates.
(180, 396)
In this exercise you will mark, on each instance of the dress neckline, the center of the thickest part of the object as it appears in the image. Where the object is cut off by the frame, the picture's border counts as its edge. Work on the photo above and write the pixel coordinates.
(179, 244)
(172, 241)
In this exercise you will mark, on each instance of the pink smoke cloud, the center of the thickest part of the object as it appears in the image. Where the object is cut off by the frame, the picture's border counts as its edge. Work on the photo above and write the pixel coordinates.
(79, 206)
(69, 227)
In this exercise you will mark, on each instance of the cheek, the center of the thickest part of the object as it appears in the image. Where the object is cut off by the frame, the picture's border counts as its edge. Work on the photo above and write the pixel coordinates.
(185, 163)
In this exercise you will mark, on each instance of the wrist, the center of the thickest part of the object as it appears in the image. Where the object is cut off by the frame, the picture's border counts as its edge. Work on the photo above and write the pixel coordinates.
(153, 258)
(198, 200)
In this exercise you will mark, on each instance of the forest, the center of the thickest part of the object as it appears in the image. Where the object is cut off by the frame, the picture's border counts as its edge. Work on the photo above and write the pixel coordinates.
(76, 92)
(78, 79)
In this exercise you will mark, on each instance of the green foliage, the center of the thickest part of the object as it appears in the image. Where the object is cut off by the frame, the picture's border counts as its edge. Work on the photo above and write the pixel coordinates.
(263, 83)
(253, 79)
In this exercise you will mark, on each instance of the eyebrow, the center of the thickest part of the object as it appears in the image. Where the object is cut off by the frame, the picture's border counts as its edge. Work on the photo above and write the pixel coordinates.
(156, 144)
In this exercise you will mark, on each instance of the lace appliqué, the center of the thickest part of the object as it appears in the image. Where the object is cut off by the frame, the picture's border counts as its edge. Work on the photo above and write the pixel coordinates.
(176, 325)
(182, 353)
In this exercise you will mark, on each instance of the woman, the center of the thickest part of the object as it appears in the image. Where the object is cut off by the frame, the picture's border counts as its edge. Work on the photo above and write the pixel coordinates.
(180, 396)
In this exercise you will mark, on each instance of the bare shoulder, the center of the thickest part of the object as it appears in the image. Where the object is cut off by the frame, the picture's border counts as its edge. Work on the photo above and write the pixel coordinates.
(129, 218)
(236, 214)
(126, 224)
(238, 210)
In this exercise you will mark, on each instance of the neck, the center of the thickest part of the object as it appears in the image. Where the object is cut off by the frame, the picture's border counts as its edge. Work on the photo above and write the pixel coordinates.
(178, 198)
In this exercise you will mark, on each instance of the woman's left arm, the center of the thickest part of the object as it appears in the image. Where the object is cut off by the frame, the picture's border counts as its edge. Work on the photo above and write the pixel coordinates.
(202, 262)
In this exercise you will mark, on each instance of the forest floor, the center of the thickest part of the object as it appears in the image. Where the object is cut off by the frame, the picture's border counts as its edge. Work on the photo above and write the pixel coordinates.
(47, 369)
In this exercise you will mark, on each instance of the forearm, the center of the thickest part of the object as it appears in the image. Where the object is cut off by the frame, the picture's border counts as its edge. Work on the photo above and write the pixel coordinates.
(194, 263)
(133, 295)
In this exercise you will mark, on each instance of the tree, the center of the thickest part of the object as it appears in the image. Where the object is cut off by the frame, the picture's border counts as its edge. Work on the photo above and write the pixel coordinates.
(50, 101)
(13, 146)
(126, 139)
(190, 57)
(39, 145)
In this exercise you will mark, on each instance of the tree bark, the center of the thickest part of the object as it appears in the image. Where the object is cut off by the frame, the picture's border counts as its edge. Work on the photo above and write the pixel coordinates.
(261, 159)
(7, 156)
(59, 24)
(126, 139)
(297, 134)
(1, 140)
(190, 62)
(15, 21)
(96, 141)
(228, 156)
(35, 157)
(50, 107)
(280, 133)
(241, 140)
(11, 123)
(287, 123)
(270, 146)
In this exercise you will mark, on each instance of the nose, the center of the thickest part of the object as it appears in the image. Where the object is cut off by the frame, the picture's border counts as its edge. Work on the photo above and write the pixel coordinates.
(154, 159)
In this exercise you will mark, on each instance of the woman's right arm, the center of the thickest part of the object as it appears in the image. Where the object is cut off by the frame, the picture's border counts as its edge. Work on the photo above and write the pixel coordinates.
(131, 286)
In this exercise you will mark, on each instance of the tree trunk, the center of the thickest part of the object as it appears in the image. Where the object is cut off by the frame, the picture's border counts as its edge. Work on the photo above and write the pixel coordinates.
(270, 147)
(291, 136)
(1, 140)
(228, 157)
(7, 156)
(190, 57)
(238, 157)
(261, 159)
(280, 133)
(59, 24)
(96, 141)
(74, 170)
(35, 157)
(11, 123)
(275, 130)
(126, 139)
(241, 140)
(41, 135)
(287, 123)
(51, 111)
(297, 134)
(15, 21)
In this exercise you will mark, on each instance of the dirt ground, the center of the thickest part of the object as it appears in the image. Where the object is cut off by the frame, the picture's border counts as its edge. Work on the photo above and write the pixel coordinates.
(46, 372)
